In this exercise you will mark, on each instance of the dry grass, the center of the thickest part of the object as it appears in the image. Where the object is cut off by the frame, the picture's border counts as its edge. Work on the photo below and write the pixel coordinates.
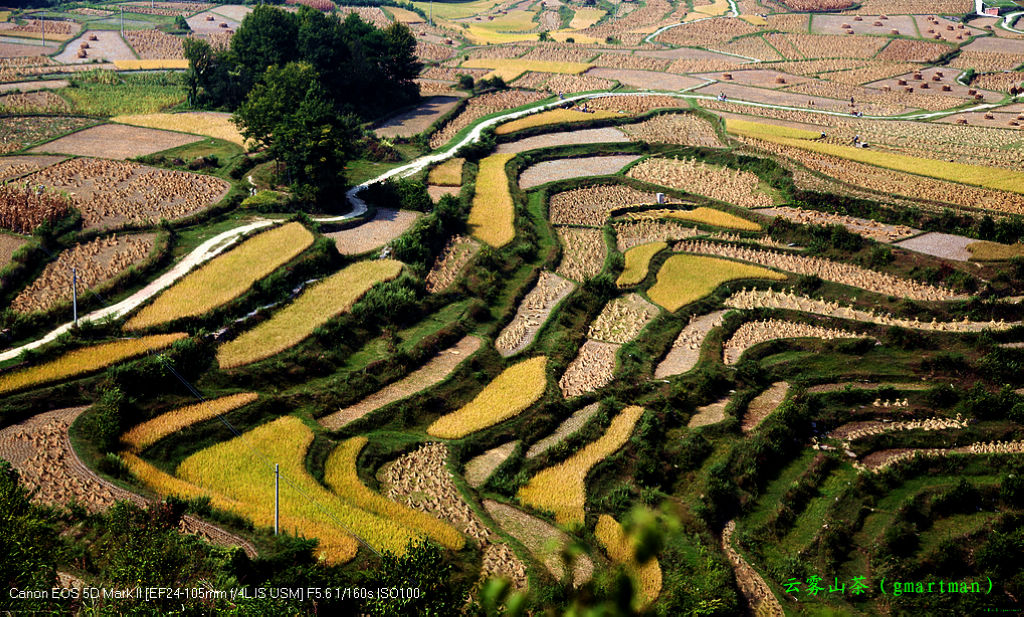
(646, 576)
(511, 392)
(583, 252)
(742, 188)
(152, 431)
(638, 259)
(561, 489)
(85, 360)
(492, 215)
(211, 124)
(150, 64)
(688, 278)
(994, 251)
(553, 116)
(341, 475)
(448, 173)
(315, 306)
(226, 277)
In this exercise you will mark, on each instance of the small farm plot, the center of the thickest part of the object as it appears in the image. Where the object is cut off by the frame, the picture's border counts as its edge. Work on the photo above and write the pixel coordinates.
(761, 78)
(606, 135)
(95, 263)
(480, 106)
(492, 215)
(449, 264)
(12, 167)
(116, 141)
(155, 45)
(685, 351)
(622, 319)
(386, 225)
(209, 123)
(226, 277)
(879, 232)
(764, 404)
(646, 576)
(511, 392)
(448, 173)
(742, 188)
(875, 25)
(638, 260)
(754, 333)
(209, 22)
(22, 131)
(702, 214)
(630, 234)
(141, 436)
(9, 245)
(565, 169)
(592, 369)
(687, 278)
(430, 374)
(95, 45)
(946, 246)
(707, 415)
(510, 68)
(590, 206)
(583, 253)
(562, 488)
(544, 541)
(316, 305)
(84, 360)
(553, 116)
(568, 427)
(23, 209)
(646, 80)
(112, 193)
(37, 102)
(415, 121)
(479, 468)
(681, 129)
(532, 313)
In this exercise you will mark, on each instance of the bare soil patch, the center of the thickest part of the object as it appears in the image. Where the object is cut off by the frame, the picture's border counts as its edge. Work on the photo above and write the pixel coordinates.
(935, 81)
(13, 50)
(437, 192)
(604, 135)
(116, 141)
(386, 225)
(32, 86)
(209, 22)
(415, 121)
(430, 374)
(762, 78)
(709, 414)
(764, 404)
(685, 351)
(869, 25)
(568, 426)
(13, 166)
(8, 246)
(102, 45)
(946, 246)
(564, 169)
(649, 80)
(479, 468)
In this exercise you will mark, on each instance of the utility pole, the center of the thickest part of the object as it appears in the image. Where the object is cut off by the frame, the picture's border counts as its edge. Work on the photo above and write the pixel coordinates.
(277, 497)
(431, 13)
(122, 21)
(74, 294)
(42, 31)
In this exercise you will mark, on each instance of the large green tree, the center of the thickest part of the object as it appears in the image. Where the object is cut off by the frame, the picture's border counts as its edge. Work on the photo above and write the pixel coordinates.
(28, 545)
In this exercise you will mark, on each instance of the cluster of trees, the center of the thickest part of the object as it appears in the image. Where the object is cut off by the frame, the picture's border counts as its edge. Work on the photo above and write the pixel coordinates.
(301, 83)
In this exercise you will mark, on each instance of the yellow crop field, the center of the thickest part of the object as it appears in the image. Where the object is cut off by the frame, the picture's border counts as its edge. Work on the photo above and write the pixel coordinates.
(553, 116)
(646, 577)
(238, 470)
(687, 278)
(145, 65)
(167, 485)
(315, 306)
(404, 16)
(510, 68)
(340, 474)
(515, 389)
(764, 131)
(492, 214)
(85, 360)
(448, 173)
(152, 431)
(562, 487)
(481, 36)
(754, 20)
(586, 17)
(716, 8)
(703, 214)
(456, 10)
(208, 123)
(225, 277)
(4, 16)
(978, 175)
(637, 260)
(994, 251)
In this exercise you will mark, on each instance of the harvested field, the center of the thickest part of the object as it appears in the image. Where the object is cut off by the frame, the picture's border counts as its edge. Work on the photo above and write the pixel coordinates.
(636, 104)
(562, 488)
(619, 546)
(742, 188)
(564, 169)
(643, 231)
(533, 313)
(107, 45)
(19, 132)
(201, 23)
(685, 351)
(879, 232)
(12, 167)
(96, 262)
(22, 210)
(606, 135)
(622, 319)
(946, 246)
(84, 360)
(492, 214)
(450, 262)
(687, 278)
(9, 245)
(112, 193)
(638, 259)
(553, 116)
(795, 99)
(154, 44)
(590, 206)
(386, 225)
(583, 253)
(866, 385)
(646, 80)
(702, 214)
(225, 277)
(480, 106)
(680, 129)
(448, 173)
(842, 273)
(871, 25)
(764, 404)
(32, 86)
(544, 541)
(422, 481)
(709, 414)
(754, 333)
(316, 305)
(116, 141)
(508, 395)
(761, 78)
(430, 374)
(9, 49)
(209, 123)
(568, 427)
(438, 192)
(592, 369)
(756, 592)
(479, 468)
(38, 102)
(415, 121)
